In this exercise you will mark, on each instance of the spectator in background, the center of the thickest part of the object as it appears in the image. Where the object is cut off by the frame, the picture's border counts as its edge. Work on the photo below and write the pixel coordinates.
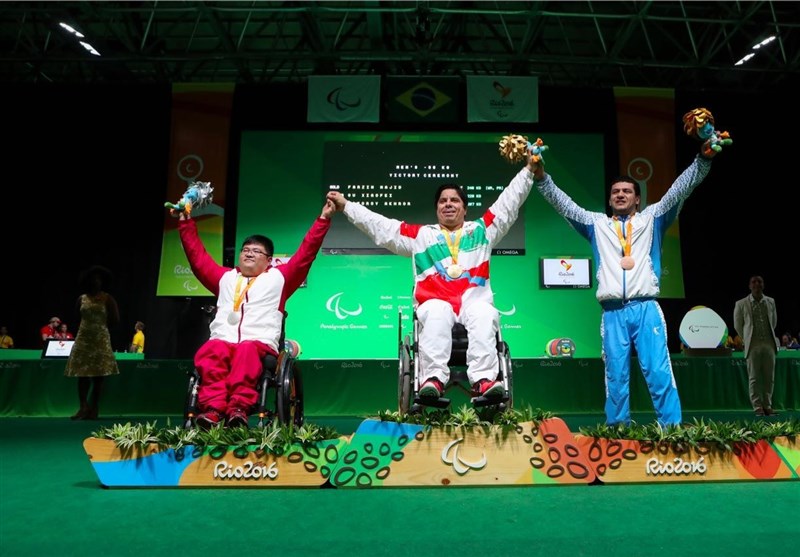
(137, 344)
(789, 342)
(92, 358)
(5, 340)
(63, 332)
(755, 318)
(50, 330)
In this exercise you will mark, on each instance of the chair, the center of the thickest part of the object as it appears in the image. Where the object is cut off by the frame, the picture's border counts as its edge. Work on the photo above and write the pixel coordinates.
(280, 376)
(408, 397)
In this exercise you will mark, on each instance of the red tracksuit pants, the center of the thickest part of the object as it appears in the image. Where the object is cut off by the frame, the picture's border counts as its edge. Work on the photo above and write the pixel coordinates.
(228, 374)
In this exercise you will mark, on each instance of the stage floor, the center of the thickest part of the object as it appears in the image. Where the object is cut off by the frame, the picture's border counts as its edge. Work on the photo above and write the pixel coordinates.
(52, 504)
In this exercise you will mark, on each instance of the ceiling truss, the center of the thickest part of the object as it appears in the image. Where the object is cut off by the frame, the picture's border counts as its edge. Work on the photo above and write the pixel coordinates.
(692, 45)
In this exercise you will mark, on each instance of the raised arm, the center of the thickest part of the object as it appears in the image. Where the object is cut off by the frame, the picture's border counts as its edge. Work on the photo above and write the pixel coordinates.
(297, 268)
(392, 234)
(501, 216)
(667, 208)
(671, 203)
(207, 271)
(578, 217)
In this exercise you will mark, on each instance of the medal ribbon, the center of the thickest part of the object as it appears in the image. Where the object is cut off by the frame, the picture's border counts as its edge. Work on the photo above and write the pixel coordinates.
(625, 240)
(239, 298)
(452, 245)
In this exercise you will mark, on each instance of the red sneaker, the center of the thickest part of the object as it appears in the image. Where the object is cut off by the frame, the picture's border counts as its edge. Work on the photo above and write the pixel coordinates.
(432, 388)
(488, 388)
(236, 418)
(208, 419)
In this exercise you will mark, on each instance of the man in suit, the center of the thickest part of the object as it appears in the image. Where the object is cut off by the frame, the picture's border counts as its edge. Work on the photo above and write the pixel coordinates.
(755, 319)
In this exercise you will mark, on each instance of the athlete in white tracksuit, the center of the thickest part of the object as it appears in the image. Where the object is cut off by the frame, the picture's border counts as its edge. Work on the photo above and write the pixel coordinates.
(627, 249)
(451, 272)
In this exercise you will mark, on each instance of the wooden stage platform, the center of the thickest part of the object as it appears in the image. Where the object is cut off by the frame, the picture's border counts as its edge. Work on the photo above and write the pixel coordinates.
(391, 454)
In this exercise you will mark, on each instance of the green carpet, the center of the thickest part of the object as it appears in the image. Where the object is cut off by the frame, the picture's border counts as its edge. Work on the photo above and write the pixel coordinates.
(52, 504)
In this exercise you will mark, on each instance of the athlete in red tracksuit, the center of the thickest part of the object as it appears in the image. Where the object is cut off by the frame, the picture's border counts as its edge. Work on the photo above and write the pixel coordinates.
(249, 318)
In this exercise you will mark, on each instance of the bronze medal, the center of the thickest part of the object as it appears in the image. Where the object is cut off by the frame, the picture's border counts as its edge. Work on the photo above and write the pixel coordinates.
(627, 262)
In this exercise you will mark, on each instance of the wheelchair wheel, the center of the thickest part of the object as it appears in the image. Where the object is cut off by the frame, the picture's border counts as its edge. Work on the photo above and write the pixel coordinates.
(289, 397)
(506, 368)
(404, 379)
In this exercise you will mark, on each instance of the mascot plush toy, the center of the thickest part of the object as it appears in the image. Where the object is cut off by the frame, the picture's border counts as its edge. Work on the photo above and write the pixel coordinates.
(699, 123)
(515, 148)
(197, 195)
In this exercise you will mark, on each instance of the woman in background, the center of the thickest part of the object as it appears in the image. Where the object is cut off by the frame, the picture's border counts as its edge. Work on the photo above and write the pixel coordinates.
(63, 332)
(92, 358)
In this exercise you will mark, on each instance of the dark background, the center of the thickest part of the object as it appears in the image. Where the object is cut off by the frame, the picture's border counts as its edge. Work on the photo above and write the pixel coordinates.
(86, 171)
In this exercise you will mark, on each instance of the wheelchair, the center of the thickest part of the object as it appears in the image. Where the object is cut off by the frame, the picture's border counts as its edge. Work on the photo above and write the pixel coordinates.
(280, 386)
(409, 401)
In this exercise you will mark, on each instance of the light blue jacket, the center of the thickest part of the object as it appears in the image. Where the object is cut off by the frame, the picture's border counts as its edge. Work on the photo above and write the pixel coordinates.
(648, 229)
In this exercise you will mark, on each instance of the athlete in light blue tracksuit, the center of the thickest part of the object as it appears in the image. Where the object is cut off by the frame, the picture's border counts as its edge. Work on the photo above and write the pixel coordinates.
(627, 249)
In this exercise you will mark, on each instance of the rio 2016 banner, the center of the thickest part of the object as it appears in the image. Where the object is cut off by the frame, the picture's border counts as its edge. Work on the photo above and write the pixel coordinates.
(357, 302)
(198, 152)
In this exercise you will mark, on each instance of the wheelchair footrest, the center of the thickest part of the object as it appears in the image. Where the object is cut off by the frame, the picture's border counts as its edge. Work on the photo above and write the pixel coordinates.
(435, 402)
(479, 401)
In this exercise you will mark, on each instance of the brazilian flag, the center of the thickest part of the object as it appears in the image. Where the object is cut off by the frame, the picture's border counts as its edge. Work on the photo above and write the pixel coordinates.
(422, 99)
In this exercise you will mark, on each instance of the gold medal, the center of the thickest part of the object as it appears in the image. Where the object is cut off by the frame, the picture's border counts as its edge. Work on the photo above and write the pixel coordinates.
(233, 317)
(454, 271)
(627, 262)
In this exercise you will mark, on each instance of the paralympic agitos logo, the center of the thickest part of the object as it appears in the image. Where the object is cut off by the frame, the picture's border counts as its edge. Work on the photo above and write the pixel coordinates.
(334, 305)
(337, 98)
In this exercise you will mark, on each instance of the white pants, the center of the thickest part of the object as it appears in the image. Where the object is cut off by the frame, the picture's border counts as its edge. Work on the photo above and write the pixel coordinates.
(436, 319)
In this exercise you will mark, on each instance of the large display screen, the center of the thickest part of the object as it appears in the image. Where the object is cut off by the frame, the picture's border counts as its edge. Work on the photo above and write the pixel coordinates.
(358, 302)
(399, 180)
